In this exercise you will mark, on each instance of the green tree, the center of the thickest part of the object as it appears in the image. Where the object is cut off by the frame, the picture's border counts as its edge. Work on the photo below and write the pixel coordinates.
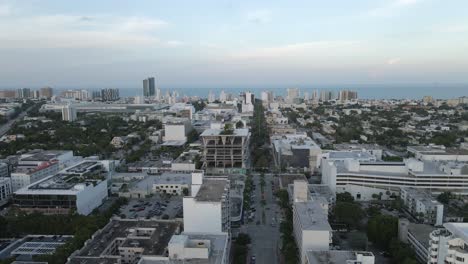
(239, 124)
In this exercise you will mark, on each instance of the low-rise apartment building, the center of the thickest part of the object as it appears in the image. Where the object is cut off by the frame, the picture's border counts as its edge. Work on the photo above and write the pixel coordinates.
(423, 206)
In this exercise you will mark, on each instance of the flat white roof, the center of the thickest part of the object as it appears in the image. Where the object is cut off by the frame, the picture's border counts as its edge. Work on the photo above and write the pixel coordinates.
(243, 132)
(312, 216)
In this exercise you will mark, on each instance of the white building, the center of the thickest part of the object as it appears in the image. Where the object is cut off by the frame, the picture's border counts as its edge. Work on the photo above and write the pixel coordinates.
(340, 257)
(36, 157)
(341, 156)
(176, 131)
(68, 113)
(207, 210)
(206, 248)
(80, 188)
(5, 190)
(311, 228)
(364, 180)
(24, 175)
(222, 96)
(310, 222)
(423, 206)
(417, 236)
(295, 150)
(438, 153)
(449, 245)
(292, 94)
(172, 183)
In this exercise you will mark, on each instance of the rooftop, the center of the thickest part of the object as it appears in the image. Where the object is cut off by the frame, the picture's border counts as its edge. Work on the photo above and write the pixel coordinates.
(212, 190)
(421, 232)
(312, 216)
(39, 244)
(401, 168)
(62, 183)
(287, 179)
(151, 235)
(334, 256)
(348, 146)
(422, 195)
(240, 132)
(42, 155)
(285, 143)
(437, 150)
(350, 155)
(173, 178)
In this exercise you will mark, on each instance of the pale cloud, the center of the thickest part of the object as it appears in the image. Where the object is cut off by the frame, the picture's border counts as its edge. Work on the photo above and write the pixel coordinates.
(393, 61)
(72, 31)
(5, 10)
(174, 43)
(451, 29)
(315, 48)
(406, 2)
(259, 16)
(392, 8)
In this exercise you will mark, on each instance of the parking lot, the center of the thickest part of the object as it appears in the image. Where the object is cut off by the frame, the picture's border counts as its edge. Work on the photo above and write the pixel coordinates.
(159, 207)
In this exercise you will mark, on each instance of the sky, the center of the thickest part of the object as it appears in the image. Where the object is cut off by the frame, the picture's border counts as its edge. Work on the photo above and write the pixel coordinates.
(222, 44)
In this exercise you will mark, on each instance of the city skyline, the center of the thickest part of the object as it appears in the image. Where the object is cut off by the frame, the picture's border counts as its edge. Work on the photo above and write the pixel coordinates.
(212, 44)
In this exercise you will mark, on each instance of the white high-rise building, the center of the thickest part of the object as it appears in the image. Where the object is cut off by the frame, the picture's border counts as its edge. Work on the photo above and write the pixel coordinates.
(211, 97)
(68, 113)
(158, 94)
(264, 96)
(315, 95)
(292, 93)
(222, 96)
(306, 96)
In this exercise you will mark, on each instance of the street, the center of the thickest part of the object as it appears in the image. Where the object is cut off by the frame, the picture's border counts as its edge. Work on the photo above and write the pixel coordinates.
(264, 229)
(4, 128)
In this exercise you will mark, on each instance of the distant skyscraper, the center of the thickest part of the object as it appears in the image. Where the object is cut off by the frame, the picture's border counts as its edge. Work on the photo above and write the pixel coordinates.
(306, 96)
(315, 96)
(267, 97)
(109, 94)
(222, 96)
(264, 96)
(68, 113)
(7, 94)
(346, 95)
(149, 87)
(428, 99)
(46, 92)
(211, 97)
(292, 94)
(326, 95)
(23, 93)
(248, 97)
(158, 94)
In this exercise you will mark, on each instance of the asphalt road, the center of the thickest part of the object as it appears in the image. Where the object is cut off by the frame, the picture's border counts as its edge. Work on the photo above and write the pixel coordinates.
(265, 237)
(4, 128)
